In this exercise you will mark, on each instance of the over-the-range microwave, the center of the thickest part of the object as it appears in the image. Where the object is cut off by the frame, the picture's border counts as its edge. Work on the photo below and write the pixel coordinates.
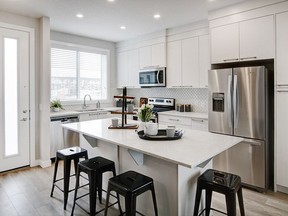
(152, 77)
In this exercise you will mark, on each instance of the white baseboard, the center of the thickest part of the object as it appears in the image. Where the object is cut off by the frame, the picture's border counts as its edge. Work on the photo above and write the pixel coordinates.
(45, 164)
(34, 163)
(282, 189)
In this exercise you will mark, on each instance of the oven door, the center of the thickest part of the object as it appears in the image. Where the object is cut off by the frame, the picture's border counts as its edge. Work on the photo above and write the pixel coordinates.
(152, 77)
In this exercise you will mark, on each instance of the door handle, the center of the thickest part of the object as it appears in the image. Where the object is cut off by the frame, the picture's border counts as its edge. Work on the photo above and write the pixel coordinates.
(229, 101)
(235, 102)
(158, 77)
(23, 119)
(24, 111)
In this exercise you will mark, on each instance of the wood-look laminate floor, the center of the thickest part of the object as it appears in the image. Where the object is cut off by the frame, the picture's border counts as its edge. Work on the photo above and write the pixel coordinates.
(26, 191)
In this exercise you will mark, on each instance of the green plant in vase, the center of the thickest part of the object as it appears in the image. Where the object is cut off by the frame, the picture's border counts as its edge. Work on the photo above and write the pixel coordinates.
(145, 113)
(56, 105)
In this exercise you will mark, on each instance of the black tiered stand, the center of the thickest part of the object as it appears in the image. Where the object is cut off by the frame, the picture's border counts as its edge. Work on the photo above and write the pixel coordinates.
(124, 113)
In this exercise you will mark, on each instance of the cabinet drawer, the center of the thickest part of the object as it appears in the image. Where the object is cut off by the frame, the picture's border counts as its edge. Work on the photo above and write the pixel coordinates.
(200, 124)
(175, 120)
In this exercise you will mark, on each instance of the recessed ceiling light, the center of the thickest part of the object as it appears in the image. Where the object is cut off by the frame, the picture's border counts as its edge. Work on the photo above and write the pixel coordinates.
(79, 15)
(123, 27)
(157, 16)
(211, 0)
(111, 0)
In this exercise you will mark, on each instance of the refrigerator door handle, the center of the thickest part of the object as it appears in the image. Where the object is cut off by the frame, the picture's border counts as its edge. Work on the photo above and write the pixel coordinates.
(229, 100)
(236, 102)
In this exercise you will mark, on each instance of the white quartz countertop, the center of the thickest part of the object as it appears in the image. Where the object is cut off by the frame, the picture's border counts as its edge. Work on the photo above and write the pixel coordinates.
(194, 148)
(74, 112)
(185, 114)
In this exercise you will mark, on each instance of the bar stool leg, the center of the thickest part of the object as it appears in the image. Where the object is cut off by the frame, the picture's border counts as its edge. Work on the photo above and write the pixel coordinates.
(208, 201)
(197, 200)
(118, 198)
(107, 200)
(99, 187)
(92, 194)
(130, 205)
(154, 200)
(240, 200)
(76, 161)
(76, 190)
(54, 177)
(231, 204)
(67, 168)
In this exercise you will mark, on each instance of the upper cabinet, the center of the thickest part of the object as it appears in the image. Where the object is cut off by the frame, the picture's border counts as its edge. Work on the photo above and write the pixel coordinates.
(188, 62)
(243, 41)
(282, 48)
(128, 69)
(152, 56)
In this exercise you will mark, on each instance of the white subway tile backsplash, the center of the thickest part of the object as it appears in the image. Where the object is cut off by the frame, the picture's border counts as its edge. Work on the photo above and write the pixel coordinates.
(197, 97)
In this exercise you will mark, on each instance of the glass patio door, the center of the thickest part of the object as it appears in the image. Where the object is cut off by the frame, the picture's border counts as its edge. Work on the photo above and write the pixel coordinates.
(14, 99)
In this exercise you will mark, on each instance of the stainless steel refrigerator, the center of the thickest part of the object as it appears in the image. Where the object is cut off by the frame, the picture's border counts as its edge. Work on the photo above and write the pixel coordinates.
(238, 106)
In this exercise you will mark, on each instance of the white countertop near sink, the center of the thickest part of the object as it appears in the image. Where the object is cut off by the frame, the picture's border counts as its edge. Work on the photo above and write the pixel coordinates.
(75, 112)
(185, 114)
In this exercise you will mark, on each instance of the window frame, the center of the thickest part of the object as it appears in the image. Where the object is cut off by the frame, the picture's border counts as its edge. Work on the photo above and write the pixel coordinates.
(83, 48)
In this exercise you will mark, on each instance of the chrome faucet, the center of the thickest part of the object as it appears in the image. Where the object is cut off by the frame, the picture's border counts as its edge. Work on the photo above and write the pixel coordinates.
(84, 105)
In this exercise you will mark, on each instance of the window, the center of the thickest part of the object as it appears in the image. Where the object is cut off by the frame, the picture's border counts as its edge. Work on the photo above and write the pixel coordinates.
(77, 71)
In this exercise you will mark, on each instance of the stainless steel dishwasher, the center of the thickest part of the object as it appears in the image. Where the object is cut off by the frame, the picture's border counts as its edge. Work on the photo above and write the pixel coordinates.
(62, 138)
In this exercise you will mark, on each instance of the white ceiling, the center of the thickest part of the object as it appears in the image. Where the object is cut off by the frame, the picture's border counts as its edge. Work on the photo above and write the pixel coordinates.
(102, 19)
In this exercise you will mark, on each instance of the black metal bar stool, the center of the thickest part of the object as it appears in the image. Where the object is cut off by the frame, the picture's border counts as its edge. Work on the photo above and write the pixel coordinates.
(221, 182)
(67, 155)
(94, 168)
(131, 184)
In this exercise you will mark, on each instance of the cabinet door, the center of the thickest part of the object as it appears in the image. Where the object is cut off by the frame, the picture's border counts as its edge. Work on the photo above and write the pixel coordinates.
(122, 69)
(282, 48)
(204, 60)
(158, 55)
(257, 39)
(200, 124)
(225, 43)
(190, 62)
(281, 138)
(174, 70)
(145, 57)
(133, 68)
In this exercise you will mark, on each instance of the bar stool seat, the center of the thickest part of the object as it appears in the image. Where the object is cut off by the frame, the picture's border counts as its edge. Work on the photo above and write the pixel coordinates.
(131, 184)
(67, 155)
(221, 182)
(94, 168)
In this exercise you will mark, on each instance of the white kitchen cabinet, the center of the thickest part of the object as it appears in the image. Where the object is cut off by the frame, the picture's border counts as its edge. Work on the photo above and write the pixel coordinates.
(257, 38)
(158, 52)
(281, 138)
(174, 64)
(152, 56)
(175, 120)
(225, 43)
(145, 57)
(184, 121)
(190, 62)
(199, 124)
(282, 48)
(247, 40)
(204, 60)
(128, 69)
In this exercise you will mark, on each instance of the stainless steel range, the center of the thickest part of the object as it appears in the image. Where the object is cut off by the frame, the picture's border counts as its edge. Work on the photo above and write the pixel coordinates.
(160, 105)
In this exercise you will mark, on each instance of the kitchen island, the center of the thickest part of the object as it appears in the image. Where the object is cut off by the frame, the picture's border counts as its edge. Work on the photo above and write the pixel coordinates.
(174, 165)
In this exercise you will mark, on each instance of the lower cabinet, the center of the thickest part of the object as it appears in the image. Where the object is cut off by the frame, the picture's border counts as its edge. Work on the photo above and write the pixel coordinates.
(281, 139)
(184, 122)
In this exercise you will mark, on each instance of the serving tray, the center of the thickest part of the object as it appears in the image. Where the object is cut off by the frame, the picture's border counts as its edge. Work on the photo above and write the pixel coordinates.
(161, 135)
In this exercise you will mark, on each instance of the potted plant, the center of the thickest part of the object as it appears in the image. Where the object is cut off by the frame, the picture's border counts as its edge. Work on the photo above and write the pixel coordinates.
(56, 105)
(145, 114)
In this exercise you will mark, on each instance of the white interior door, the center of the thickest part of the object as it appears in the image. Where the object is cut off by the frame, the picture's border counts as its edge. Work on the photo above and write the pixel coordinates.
(14, 100)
